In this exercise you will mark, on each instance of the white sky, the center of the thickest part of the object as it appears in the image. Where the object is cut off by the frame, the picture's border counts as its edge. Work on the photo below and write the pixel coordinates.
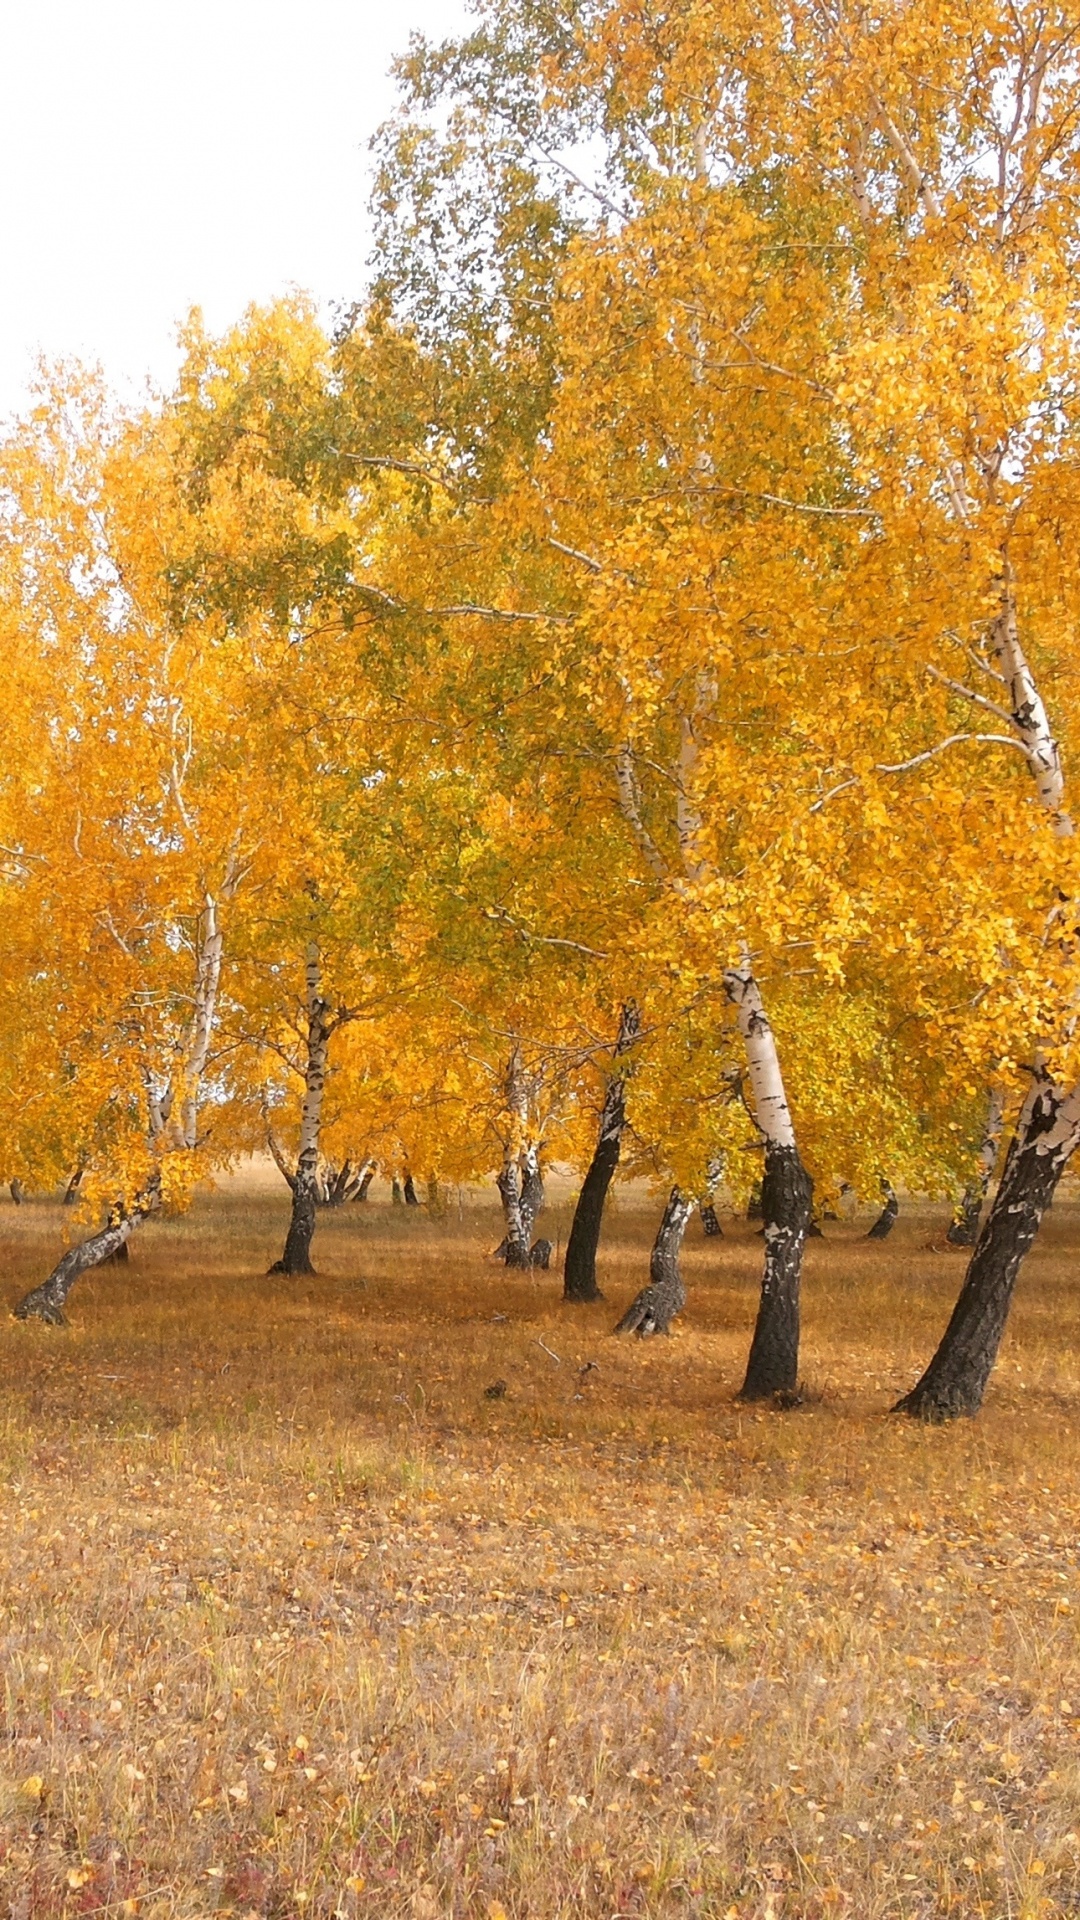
(161, 154)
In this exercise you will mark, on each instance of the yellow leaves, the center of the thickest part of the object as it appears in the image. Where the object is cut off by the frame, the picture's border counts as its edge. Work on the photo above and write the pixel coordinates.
(33, 1787)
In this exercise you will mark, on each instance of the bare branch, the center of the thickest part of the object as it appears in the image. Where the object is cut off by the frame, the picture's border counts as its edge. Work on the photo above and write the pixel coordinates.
(969, 693)
(572, 553)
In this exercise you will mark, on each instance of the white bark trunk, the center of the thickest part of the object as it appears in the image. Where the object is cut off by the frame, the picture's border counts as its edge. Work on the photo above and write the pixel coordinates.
(315, 1070)
(762, 1060)
(1029, 716)
(207, 983)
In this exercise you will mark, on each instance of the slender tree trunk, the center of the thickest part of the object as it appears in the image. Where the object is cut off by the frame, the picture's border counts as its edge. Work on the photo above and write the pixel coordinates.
(297, 1255)
(887, 1218)
(366, 1179)
(665, 1296)
(207, 984)
(964, 1230)
(518, 1231)
(412, 1198)
(47, 1301)
(579, 1271)
(280, 1158)
(396, 1196)
(1046, 1135)
(17, 1191)
(341, 1184)
(71, 1191)
(709, 1221)
(786, 1197)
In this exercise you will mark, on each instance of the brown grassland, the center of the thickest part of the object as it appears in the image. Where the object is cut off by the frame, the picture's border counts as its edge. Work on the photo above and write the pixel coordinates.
(297, 1621)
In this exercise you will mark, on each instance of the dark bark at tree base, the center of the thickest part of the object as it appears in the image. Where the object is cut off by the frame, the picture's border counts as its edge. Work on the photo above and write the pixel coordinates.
(656, 1306)
(396, 1196)
(954, 1383)
(538, 1255)
(579, 1268)
(18, 1192)
(412, 1198)
(340, 1185)
(362, 1190)
(47, 1302)
(964, 1228)
(786, 1198)
(297, 1255)
(886, 1219)
(713, 1229)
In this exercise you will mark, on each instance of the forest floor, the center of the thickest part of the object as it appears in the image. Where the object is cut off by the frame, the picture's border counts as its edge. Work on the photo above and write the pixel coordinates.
(297, 1621)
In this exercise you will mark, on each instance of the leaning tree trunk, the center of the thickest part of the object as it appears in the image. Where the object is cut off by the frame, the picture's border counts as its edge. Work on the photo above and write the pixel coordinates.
(886, 1219)
(579, 1271)
(964, 1230)
(657, 1304)
(1047, 1133)
(365, 1181)
(786, 1196)
(305, 1190)
(71, 1191)
(47, 1301)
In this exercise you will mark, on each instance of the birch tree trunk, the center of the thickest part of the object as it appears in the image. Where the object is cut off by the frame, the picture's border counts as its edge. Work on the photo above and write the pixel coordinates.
(579, 1271)
(665, 1296)
(515, 1246)
(518, 1232)
(889, 1214)
(47, 1301)
(1046, 1135)
(366, 1179)
(964, 1230)
(1028, 713)
(207, 984)
(297, 1255)
(786, 1195)
(532, 1192)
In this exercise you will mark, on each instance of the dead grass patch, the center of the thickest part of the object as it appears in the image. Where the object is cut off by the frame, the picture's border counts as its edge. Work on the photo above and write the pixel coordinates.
(296, 1621)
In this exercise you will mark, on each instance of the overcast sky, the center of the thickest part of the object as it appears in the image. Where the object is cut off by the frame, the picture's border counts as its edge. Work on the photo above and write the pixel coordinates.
(161, 154)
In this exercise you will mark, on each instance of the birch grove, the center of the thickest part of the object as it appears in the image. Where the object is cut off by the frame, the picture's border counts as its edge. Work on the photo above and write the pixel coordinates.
(631, 663)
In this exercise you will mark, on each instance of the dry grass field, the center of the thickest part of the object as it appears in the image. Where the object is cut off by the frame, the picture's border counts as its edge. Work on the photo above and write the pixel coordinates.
(297, 1621)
